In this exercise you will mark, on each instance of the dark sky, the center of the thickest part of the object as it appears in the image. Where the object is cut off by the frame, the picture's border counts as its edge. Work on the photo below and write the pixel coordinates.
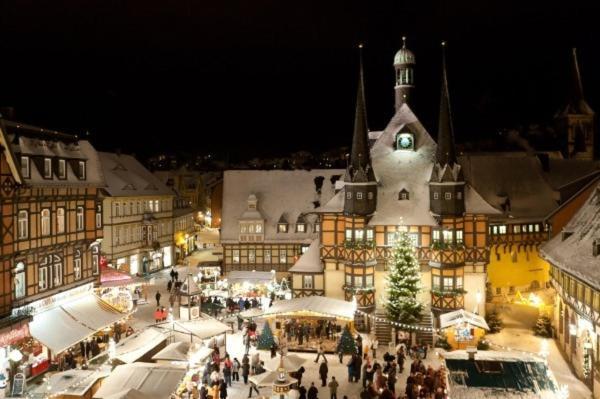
(269, 76)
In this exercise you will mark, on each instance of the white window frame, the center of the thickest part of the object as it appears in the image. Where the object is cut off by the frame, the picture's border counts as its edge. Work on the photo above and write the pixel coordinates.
(20, 283)
(301, 228)
(370, 234)
(47, 168)
(235, 256)
(348, 234)
(259, 228)
(283, 256)
(267, 255)
(98, 220)
(22, 225)
(25, 167)
(62, 169)
(435, 235)
(251, 255)
(447, 195)
(77, 264)
(414, 238)
(348, 195)
(359, 195)
(502, 229)
(43, 278)
(80, 218)
(117, 209)
(57, 274)
(282, 228)
(436, 195)
(243, 228)
(458, 281)
(359, 234)
(95, 260)
(45, 224)
(445, 286)
(447, 236)
(60, 220)
(82, 170)
(436, 282)
(308, 282)
(459, 236)
(391, 238)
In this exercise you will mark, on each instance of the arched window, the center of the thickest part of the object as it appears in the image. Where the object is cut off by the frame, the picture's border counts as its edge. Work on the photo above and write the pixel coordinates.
(60, 220)
(20, 280)
(79, 218)
(23, 225)
(45, 216)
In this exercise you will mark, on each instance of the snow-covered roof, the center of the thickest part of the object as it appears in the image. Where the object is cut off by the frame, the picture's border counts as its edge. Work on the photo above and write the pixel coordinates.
(572, 250)
(513, 178)
(461, 316)
(310, 261)
(321, 305)
(494, 374)
(287, 193)
(255, 277)
(126, 177)
(176, 351)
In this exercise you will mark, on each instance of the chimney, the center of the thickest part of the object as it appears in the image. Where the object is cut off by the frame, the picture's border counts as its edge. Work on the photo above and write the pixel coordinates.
(471, 351)
(596, 247)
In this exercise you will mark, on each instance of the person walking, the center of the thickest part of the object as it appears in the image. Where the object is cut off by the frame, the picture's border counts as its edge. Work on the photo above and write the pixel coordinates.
(227, 366)
(312, 391)
(374, 346)
(172, 273)
(253, 387)
(321, 352)
(235, 369)
(169, 285)
(223, 389)
(299, 374)
(333, 386)
(245, 369)
(157, 296)
(302, 391)
(323, 370)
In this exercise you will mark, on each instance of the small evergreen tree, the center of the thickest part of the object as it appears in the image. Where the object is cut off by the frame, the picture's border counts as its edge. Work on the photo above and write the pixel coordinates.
(346, 344)
(442, 342)
(483, 345)
(494, 321)
(543, 327)
(403, 283)
(265, 340)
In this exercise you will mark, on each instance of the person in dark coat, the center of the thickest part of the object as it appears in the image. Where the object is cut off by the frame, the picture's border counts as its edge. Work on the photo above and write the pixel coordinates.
(223, 390)
(299, 374)
(302, 391)
(312, 391)
(323, 370)
(245, 369)
(169, 285)
(157, 296)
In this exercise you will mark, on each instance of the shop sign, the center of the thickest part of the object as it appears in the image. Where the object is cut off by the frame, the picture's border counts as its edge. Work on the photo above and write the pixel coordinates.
(14, 335)
(56, 300)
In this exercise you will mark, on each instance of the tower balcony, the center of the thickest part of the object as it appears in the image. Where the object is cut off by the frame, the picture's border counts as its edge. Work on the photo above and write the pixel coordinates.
(447, 256)
(358, 253)
(446, 301)
(365, 297)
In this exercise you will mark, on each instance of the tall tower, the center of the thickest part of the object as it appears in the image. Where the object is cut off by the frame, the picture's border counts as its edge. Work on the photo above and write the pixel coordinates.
(575, 122)
(360, 183)
(447, 183)
(404, 64)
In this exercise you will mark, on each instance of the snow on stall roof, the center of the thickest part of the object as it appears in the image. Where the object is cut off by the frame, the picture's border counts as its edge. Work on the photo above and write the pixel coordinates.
(279, 192)
(574, 253)
(314, 304)
(126, 176)
(459, 316)
(501, 356)
(517, 178)
(310, 261)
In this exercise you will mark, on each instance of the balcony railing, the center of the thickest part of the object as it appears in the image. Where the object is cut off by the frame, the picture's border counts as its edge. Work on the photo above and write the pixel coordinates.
(447, 256)
(447, 300)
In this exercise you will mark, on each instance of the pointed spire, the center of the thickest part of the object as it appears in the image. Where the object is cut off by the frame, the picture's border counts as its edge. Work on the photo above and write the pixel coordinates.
(446, 153)
(359, 156)
(577, 103)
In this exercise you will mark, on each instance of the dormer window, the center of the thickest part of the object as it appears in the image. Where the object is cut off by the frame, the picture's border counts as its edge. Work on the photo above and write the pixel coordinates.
(300, 228)
(25, 171)
(405, 141)
(62, 169)
(259, 228)
(282, 227)
(47, 168)
(81, 170)
(403, 195)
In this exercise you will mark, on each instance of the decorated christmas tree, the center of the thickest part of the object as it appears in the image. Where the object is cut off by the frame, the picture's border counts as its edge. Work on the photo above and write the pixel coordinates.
(494, 321)
(543, 327)
(346, 344)
(265, 340)
(403, 281)
(442, 342)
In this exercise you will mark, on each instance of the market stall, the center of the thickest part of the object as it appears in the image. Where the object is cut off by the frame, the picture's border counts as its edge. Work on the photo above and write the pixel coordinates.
(463, 328)
(190, 291)
(208, 330)
(118, 288)
(141, 346)
(305, 322)
(150, 380)
(250, 283)
(71, 384)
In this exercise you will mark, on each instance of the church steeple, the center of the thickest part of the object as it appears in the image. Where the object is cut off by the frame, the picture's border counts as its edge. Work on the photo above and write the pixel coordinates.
(360, 198)
(446, 153)
(446, 185)
(404, 65)
(575, 121)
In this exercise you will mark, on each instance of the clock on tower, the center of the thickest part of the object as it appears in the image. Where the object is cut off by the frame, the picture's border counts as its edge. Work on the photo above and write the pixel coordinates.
(405, 142)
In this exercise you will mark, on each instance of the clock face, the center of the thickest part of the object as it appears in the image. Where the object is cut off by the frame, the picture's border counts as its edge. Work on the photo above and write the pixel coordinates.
(405, 141)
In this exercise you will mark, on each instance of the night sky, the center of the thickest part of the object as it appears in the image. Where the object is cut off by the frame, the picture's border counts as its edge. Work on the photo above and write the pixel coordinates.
(264, 77)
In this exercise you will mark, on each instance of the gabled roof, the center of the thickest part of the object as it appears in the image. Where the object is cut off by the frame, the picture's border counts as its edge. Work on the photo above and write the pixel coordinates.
(127, 177)
(310, 261)
(289, 192)
(574, 254)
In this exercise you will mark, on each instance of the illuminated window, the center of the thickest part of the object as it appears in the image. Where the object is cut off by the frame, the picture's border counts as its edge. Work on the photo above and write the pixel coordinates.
(267, 256)
(23, 225)
(251, 228)
(370, 195)
(251, 256)
(243, 228)
(447, 236)
(369, 280)
(358, 281)
(370, 234)
(60, 220)
(448, 195)
(459, 195)
(282, 256)
(359, 234)
(45, 221)
(348, 234)
(79, 216)
(536, 228)
(98, 216)
(282, 228)
(20, 286)
(502, 229)
(436, 282)
(348, 280)
(307, 282)
(259, 228)
(517, 228)
(95, 259)
(391, 238)
(436, 196)
(81, 170)
(300, 227)
(359, 195)
(43, 278)
(459, 282)
(77, 264)
(414, 239)
(459, 236)
(235, 256)
(448, 283)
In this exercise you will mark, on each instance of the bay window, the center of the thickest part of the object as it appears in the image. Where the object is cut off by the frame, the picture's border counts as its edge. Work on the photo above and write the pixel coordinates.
(448, 283)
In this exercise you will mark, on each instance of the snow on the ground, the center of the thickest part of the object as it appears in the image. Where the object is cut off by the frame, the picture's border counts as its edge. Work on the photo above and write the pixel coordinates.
(518, 335)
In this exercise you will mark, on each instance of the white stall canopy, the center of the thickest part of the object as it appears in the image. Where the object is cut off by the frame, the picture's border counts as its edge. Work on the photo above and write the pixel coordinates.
(313, 306)
(253, 277)
(152, 381)
(462, 316)
(64, 326)
(202, 328)
(177, 351)
(135, 346)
